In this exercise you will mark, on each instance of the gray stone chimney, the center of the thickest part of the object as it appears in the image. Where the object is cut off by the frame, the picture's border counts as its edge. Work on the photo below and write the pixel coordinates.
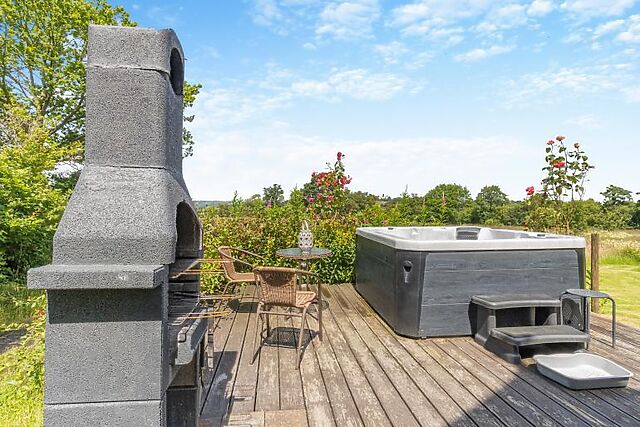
(121, 348)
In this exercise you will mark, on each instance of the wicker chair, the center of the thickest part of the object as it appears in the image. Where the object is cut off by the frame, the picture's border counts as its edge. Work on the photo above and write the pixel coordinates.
(230, 256)
(278, 295)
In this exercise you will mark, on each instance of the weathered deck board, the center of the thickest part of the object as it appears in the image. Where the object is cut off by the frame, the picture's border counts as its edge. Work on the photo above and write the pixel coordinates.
(224, 378)
(364, 397)
(446, 407)
(364, 374)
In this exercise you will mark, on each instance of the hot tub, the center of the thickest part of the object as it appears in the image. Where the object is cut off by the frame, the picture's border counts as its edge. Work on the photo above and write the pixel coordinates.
(421, 279)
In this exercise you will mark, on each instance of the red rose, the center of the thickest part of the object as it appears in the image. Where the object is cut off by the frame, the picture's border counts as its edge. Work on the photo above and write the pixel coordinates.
(340, 156)
(530, 191)
(559, 164)
(310, 199)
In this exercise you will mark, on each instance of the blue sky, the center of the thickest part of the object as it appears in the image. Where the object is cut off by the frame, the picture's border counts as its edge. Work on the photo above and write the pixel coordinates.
(416, 93)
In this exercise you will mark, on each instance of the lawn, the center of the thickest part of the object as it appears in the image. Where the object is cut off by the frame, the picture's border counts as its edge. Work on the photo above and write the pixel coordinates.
(620, 273)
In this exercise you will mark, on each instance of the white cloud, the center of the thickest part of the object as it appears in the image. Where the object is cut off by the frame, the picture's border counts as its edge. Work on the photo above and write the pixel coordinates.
(391, 52)
(480, 53)
(309, 46)
(436, 19)
(573, 38)
(552, 86)
(607, 27)
(419, 60)
(540, 8)
(267, 13)
(590, 8)
(348, 19)
(632, 32)
(163, 16)
(502, 18)
(450, 36)
(586, 121)
(353, 83)
(255, 99)
(442, 11)
(632, 94)
(288, 159)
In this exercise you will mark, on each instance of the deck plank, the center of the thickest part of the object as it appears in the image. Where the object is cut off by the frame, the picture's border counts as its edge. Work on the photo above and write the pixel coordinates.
(319, 412)
(215, 349)
(532, 406)
(417, 402)
(291, 394)
(268, 389)
(495, 404)
(363, 374)
(392, 402)
(442, 402)
(223, 381)
(532, 383)
(585, 400)
(344, 408)
(364, 397)
(244, 389)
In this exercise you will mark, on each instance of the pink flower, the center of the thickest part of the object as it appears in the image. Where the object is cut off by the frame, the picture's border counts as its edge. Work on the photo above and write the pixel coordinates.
(340, 156)
(530, 191)
(550, 142)
(319, 195)
(310, 199)
(559, 164)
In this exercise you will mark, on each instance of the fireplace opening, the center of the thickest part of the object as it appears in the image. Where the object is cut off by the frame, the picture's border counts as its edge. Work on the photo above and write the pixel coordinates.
(189, 241)
(176, 74)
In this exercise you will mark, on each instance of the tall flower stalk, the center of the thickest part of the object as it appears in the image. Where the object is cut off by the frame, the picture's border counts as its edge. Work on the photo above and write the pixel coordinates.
(566, 168)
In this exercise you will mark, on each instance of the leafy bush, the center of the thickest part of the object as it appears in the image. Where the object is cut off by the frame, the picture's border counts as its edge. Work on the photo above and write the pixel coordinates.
(22, 370)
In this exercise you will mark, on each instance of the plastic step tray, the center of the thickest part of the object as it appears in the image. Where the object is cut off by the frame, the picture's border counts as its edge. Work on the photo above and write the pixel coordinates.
(580, 371)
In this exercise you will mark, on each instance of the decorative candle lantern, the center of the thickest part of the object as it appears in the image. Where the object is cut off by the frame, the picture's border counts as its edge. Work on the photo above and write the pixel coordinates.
(305, 237)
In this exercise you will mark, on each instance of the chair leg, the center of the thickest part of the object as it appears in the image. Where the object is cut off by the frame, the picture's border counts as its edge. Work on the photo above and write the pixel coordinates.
(257, 332)
(303, 320)
(320, 318)
(268, 324)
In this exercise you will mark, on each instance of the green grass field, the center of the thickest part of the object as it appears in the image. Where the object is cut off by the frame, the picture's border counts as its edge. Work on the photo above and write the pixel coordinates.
(620, 273)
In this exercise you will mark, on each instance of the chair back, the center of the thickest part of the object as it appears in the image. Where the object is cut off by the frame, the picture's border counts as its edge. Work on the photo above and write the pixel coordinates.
(278, 285)
(228, 263)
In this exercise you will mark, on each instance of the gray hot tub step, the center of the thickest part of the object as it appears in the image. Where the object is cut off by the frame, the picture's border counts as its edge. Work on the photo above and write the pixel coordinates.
(507, 341)
(534, 335)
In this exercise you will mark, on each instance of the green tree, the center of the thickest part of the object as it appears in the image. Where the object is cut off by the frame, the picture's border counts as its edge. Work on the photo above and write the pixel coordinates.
(273, 196)
(614, 195)
(448, 204)
(30, 204)
(42, 50)
(488, 202)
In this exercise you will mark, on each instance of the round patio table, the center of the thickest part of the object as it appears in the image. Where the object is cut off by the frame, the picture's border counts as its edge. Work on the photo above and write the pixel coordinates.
(304, 258)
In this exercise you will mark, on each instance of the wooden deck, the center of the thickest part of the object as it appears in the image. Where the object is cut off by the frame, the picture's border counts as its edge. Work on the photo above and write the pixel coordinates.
(364, 374)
